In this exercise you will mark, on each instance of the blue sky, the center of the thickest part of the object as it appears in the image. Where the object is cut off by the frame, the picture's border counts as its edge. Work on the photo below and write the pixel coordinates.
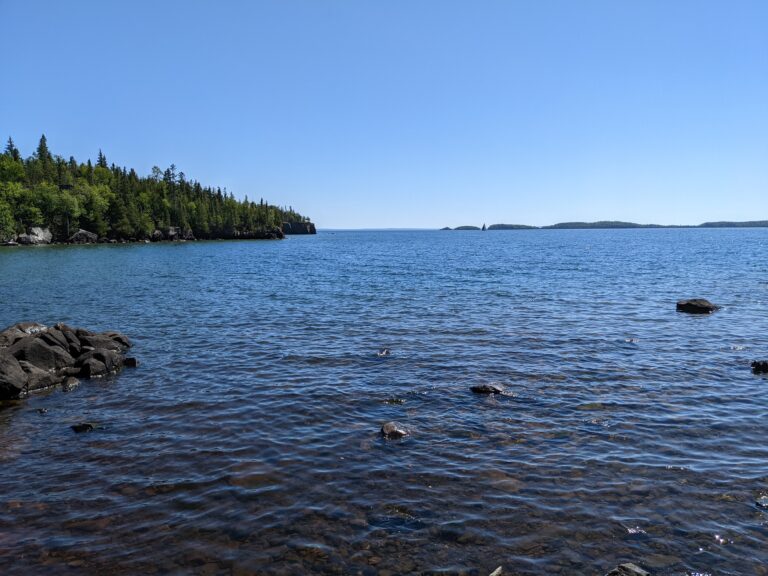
(410, 113)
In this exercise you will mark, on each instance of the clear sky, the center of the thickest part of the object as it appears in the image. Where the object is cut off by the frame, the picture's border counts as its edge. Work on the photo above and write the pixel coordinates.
(410, 113)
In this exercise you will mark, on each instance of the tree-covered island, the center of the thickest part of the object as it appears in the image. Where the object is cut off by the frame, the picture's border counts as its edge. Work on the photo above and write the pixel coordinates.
(111, 202)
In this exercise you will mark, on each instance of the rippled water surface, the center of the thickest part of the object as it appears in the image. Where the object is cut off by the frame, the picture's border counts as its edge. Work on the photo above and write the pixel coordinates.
(247, 440)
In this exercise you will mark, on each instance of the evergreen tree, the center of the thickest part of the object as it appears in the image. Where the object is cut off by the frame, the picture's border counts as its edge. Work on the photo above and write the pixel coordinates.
(46, 190)
(12, 151)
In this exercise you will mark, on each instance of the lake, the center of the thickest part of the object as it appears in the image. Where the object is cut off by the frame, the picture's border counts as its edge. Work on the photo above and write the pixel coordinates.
(247, 441)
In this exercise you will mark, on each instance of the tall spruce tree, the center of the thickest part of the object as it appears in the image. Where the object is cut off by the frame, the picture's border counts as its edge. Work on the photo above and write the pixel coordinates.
(12, 151)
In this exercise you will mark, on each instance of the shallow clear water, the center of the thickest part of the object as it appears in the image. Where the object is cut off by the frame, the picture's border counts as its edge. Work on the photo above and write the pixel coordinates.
(247, 441)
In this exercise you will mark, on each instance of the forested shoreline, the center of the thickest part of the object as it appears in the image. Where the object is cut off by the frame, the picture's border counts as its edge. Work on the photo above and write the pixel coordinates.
(112, 202)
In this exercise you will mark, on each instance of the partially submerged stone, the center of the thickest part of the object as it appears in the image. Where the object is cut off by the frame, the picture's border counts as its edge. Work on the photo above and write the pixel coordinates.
(487, 389)
(696, 306)
(34, 356)
(760, 366)
(83, 427)
(393, 431)
(628, 569)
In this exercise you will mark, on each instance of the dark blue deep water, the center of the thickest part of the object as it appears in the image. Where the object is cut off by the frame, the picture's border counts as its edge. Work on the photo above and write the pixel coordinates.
(247, 440)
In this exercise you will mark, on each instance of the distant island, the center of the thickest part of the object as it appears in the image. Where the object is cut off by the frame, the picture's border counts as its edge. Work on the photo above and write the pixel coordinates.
(603, 224)
(48, 198)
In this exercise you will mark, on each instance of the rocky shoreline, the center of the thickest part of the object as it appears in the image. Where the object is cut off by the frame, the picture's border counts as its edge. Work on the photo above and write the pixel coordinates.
(37, 236)
(34, 356)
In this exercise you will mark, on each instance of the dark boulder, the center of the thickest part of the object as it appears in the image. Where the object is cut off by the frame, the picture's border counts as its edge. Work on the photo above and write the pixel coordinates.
(13, 379)
(121, 339)
(101, 341)
(92, 368)
(628, 569)
(98, 362)
(83, 237)
(760, 366)
(487, 389)
(696, 306)
(54, 337)
(157, 236)
(393, 431)
(83, 427)
(37, 352)
(130, 362)
(37, 378)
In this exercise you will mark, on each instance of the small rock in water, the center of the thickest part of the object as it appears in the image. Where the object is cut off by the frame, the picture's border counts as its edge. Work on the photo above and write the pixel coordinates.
(496, 572)
(83, 427)
(130, 362)
(70, 384)
(394, 401)
(628, 569)
(760, 366)
(487, 389)
(696, 306)
(762, 501)
(42, 410)
(393, 430)
(383, 352)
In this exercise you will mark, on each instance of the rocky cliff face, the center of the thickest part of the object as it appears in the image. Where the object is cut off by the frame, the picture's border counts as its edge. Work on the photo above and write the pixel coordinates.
(299, 228)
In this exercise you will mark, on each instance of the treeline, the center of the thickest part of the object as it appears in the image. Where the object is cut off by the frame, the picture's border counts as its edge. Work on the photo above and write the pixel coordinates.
(65, 195)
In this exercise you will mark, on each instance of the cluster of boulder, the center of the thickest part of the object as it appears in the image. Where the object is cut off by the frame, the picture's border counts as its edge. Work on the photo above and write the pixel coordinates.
(34, 356)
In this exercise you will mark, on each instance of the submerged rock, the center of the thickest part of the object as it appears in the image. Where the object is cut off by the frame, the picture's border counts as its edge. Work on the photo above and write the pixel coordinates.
(487, 389)
(762, 501)
(34, 356)
(70, 383)
(696, 306)
(628, 569)
(393, 430)
(760, 366)
(83, 427)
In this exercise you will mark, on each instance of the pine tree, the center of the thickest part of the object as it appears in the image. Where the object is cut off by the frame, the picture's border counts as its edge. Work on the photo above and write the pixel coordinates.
(102, 161)
(43, 154)
(12, 151)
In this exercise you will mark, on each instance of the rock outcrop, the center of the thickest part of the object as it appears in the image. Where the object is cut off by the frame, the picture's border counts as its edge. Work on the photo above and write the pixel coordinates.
(83, 237)
(696, 306)
(299, 228)
(34, 356)
(35, 236)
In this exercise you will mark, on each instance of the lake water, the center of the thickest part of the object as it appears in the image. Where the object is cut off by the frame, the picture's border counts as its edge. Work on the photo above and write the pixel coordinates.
(247, 441)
